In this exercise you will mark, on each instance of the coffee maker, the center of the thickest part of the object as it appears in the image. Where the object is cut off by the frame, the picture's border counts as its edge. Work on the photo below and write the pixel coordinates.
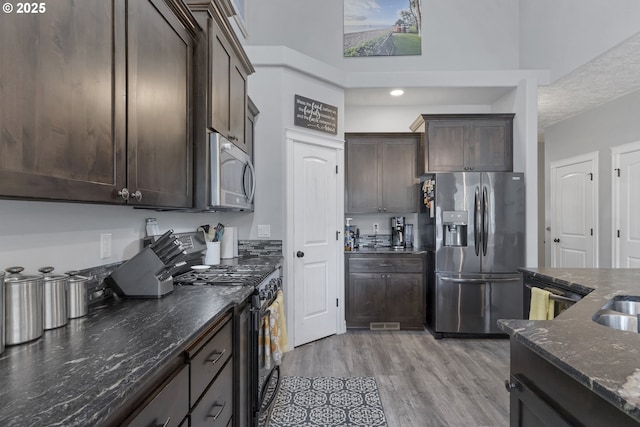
(397, 232)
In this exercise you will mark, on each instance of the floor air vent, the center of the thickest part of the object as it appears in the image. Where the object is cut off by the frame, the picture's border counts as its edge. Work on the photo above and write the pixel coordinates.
(384, 326)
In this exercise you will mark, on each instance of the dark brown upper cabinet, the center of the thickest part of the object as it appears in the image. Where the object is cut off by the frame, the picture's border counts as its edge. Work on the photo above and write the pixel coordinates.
(466, 142)
(381, 172)
(96, 103)
(221, 75)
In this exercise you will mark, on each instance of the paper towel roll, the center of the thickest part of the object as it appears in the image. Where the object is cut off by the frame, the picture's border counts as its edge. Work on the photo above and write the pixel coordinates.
(228, 241)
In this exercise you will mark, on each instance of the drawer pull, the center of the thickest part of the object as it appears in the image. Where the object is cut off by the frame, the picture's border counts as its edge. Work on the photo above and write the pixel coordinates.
(215, 360)
(385, 265)
(166, 423)
(215, 417)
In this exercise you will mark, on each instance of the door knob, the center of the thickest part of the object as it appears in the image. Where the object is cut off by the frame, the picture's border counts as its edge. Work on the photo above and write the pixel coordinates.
(511, 385)
(299, 254)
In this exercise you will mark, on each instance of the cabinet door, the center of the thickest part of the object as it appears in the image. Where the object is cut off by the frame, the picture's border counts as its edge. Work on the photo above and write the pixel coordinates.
(445, 145)
(62, 123)
(238, 106)
(215, 407)
(169, 405)
(527, 408)
(159, 86)
(365, 298)
(220, 63)
(399, 180)
(363, 176)
(490, 146)
(405, 301)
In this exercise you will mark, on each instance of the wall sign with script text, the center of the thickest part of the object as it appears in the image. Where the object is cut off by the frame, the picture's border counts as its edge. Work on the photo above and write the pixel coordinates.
(316, 115)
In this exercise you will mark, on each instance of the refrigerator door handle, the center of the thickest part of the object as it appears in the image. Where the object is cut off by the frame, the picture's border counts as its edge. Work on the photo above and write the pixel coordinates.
(476, 221)
(456, 280)
(485, 221)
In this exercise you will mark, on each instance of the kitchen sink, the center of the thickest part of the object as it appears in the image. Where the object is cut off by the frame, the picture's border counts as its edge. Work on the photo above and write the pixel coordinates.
(626, 306)
(620, 313)
(623, 322)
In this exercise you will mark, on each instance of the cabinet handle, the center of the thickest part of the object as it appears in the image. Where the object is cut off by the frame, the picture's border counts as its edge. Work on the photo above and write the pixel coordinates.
(166, 423)
(384, 265)
(384, 209)
(220, 354)
(379, 209)
(510, 386)
(137, 195)
(215, 417)
(124, 193)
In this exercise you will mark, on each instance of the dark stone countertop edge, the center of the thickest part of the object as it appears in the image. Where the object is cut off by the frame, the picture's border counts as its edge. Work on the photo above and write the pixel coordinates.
(574, 343)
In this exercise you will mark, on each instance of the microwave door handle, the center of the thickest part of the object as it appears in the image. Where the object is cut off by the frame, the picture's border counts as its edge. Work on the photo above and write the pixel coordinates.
(253, 182)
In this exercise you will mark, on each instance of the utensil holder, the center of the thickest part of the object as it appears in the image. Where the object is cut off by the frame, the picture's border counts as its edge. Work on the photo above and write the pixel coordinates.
(138, 277)
(212, 257)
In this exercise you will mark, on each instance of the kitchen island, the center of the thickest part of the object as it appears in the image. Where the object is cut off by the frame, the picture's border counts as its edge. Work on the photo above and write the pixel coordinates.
(95, 370)
(601, 365)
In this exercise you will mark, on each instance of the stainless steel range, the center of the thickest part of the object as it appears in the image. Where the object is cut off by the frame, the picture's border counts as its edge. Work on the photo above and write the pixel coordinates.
(263, 379)
(225, 275)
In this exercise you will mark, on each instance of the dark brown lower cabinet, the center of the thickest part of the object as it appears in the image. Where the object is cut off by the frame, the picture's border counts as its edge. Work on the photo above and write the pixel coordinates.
(385, 291)
(169, 405)
(542, 395)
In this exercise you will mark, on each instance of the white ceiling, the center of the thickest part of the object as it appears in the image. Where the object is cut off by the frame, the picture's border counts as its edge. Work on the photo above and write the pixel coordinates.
(607, 77)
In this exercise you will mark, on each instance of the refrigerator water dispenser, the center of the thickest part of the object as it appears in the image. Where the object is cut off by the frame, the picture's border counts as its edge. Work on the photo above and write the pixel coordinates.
(455, 227)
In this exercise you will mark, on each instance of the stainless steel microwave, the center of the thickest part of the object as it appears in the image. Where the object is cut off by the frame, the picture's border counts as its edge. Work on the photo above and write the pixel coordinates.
(231, 178)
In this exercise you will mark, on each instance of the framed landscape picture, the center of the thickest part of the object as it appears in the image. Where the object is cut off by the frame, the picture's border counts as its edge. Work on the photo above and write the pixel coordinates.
(382, 27)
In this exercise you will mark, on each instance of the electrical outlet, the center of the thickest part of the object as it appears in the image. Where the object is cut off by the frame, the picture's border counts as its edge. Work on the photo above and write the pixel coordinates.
(375, 227)
(264, 230)
(105, 245)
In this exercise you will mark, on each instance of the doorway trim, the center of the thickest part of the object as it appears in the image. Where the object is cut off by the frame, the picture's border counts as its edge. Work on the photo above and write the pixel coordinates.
(291, 136)
(616, 152)
(591, 157)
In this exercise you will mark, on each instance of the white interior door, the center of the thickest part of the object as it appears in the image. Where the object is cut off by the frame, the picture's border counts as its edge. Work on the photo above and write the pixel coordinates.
(315, 241)
(574, 207)
(626, 206)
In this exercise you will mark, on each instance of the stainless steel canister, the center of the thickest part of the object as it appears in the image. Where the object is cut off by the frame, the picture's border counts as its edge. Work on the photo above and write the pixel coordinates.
(77, 295)
(1, 312)
(55, 298)
(23, 306)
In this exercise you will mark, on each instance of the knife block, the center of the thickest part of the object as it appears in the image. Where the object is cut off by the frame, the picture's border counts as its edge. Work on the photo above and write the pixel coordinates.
(138, 277)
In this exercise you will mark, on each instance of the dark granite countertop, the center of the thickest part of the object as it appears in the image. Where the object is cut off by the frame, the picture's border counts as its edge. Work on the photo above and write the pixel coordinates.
(386, 250)
(603, 359)
(80, 374)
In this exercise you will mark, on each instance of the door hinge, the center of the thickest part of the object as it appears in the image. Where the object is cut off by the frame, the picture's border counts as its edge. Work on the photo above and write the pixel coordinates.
(617, 171)
(337, 302)
(590, 176)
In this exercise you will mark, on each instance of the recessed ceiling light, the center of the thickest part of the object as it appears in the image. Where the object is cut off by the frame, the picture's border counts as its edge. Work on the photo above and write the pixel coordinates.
(396, 92)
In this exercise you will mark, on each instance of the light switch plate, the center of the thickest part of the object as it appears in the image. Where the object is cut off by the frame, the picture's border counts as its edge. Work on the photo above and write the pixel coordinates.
(264, 230)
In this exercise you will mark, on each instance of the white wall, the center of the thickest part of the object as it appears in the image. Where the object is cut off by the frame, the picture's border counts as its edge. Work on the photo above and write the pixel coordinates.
(458, 35)
(67, 235)
(612, 124)
(562, 35)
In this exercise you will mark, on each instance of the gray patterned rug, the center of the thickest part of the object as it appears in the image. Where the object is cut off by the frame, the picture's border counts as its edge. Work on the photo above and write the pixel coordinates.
(327, 402)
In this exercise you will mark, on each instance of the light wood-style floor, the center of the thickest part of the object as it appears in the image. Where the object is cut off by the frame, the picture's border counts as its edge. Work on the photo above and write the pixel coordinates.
(423, 382)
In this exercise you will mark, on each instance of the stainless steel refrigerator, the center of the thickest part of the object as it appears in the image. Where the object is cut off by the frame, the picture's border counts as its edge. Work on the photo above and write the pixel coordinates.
(473, 224)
